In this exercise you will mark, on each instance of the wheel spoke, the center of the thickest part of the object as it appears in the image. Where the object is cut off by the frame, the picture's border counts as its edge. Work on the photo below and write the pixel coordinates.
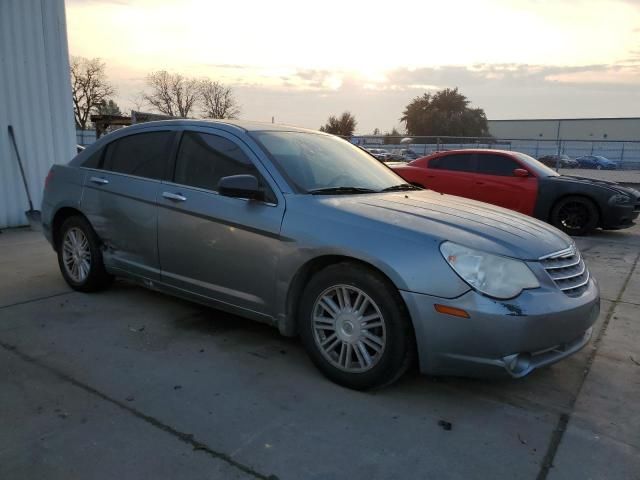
(359, 299)
(363, 307)
(372, 345)
(324, 323)
(346, 299)
(336, 341)
(329, 306)
(368, 318)
(328, 341)
(365, 355)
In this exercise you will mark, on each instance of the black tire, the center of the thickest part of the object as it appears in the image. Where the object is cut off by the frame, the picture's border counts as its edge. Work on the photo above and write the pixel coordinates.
(97, 277)
(399, 351)
(575, 215)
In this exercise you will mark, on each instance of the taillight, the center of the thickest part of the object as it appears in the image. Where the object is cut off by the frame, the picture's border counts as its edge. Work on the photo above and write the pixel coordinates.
(48, 179)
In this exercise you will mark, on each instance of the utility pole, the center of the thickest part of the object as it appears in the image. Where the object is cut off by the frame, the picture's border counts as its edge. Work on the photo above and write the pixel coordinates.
(558, 140)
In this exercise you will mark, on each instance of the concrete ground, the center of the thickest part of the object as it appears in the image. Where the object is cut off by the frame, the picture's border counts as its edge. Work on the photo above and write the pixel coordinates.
(133, 384)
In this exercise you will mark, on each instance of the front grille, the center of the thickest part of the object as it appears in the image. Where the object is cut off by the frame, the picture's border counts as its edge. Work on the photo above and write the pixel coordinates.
(568, 271)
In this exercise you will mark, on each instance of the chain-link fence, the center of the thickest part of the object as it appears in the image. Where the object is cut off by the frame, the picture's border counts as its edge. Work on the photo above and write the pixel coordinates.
(625, 154)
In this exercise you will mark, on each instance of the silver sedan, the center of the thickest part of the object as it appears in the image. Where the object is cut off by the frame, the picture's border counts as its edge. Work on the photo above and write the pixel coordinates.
(310, 234)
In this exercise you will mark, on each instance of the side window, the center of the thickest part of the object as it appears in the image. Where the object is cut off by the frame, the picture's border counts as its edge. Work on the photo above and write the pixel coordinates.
(203, 159)
(491, 164)
(459, 162)
(141, 154)
(93, 161)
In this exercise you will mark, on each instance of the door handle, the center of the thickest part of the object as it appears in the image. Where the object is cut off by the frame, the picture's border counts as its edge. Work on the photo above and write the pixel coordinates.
(479, 183)
(99, 181)
(176, 197)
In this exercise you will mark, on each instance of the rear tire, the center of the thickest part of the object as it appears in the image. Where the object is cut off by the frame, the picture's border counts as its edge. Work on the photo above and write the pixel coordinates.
(575, 215)
(80, 256)
(355, 327)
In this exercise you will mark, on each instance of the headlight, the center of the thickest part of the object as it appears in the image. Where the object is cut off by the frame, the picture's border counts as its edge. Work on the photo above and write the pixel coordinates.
(493, 275)
(619, 199)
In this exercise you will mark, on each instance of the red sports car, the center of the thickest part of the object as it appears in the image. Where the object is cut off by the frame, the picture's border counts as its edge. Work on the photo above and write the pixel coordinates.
(519, 182)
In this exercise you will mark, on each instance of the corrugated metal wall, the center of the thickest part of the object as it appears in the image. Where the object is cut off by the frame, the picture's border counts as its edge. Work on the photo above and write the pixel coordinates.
(35, 97)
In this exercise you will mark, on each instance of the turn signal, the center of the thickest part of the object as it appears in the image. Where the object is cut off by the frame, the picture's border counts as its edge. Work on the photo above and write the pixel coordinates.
(456, 312)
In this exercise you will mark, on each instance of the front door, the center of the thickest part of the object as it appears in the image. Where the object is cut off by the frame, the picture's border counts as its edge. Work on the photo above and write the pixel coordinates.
(218, 247)
(496, 183)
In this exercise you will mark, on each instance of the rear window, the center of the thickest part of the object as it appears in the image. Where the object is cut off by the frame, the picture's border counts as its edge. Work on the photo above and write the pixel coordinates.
(459, 162)
(142, 154)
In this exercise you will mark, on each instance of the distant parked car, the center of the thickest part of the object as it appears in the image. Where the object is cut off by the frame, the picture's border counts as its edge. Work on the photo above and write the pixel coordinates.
(79, 148)
(380, 153)
(517, 181)
(596, 161)
(403, 154)
(562, 161)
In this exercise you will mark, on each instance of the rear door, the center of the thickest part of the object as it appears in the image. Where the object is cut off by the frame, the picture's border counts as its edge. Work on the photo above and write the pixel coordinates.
(496, 183)
(119, 199)
(451, 174)
(218, 247)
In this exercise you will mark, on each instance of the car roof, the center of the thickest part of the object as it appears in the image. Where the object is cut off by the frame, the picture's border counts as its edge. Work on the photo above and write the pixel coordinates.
(472, 150)
(245, 125)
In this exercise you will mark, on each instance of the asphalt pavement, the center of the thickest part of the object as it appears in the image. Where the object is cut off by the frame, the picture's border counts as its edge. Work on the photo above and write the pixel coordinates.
(129, 383)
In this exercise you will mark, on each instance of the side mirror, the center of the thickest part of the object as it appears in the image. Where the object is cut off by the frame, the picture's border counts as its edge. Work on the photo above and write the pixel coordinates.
(520, 172)
(240, 186)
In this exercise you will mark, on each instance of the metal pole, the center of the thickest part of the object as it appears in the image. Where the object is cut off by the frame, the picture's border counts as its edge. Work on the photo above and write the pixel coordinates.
(558, 140)
(622, 157)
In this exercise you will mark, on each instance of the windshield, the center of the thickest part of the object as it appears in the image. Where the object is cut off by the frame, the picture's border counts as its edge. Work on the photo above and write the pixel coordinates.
(538, 167)
(314, 161)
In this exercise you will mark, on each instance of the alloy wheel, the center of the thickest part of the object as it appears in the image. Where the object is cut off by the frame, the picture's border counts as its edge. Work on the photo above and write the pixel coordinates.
(573, 215)
(349, 328)
(76, 255)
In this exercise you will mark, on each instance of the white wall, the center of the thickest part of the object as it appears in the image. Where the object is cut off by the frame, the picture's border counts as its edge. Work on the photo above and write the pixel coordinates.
(35, 97)
(593, 129)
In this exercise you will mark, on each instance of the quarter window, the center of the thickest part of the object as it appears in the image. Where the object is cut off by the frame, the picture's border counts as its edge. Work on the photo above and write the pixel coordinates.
(490, 164)
(142, 154)
(459, 162)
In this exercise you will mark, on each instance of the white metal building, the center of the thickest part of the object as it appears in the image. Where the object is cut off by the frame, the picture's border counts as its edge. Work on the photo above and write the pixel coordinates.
(35, 97)
(590, 129)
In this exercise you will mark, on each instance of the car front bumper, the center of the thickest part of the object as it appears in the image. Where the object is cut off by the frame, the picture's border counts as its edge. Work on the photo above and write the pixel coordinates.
(620, 216)
(501, 338)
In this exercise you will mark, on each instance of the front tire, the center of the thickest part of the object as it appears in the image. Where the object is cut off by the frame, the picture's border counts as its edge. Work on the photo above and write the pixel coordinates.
(80, 257)
(355, 327)
(575, 215)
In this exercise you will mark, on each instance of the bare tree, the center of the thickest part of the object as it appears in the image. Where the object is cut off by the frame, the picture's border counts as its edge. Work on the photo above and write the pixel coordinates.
(172, 93)
(90, 88)
(217, 100)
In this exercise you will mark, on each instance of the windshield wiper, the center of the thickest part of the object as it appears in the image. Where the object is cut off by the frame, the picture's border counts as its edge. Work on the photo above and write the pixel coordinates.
(340, 190)
(402, 187)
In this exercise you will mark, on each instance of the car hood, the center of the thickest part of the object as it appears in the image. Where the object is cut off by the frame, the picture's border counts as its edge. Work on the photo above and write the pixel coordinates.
(613, 186)
(447, 217)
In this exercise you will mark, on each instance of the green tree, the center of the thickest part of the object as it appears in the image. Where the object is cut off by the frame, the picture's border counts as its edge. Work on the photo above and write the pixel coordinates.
(445, 113)
(393, 137)
(344, 125)
(109, 108)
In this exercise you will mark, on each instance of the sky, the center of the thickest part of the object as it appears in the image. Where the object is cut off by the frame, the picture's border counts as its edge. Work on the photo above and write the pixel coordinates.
(302, 61)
